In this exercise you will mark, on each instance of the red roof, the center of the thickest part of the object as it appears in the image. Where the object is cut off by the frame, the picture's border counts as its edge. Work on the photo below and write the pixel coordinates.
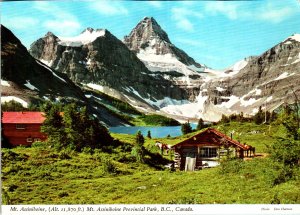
(23, 117)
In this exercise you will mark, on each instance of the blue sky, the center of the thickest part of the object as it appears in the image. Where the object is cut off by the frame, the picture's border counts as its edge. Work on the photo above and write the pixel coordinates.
(214, 33)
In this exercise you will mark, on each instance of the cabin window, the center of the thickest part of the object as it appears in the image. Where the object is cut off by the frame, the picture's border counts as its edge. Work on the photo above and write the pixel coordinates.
(29, 140)
(36, 139)
(208, 152)
(20, 126)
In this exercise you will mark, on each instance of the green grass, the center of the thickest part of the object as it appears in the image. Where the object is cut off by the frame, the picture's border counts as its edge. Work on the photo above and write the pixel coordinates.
(154, 120)
(39, 175)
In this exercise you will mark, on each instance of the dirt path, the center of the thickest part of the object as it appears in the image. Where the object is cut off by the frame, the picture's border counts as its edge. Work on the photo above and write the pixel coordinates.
(257, 155)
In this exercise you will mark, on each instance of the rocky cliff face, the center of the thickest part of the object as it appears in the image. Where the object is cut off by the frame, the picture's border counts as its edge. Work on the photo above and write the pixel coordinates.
(150, 73)
(149, 37)
(28, 77)
(154, 48)
(27, 80)
(98, 60)
(268, 80)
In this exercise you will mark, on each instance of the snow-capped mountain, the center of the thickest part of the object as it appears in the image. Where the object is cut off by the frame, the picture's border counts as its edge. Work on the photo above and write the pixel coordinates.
(153, 46)
(268, 80)
(29, 81)
(97, 59)
(150, 73)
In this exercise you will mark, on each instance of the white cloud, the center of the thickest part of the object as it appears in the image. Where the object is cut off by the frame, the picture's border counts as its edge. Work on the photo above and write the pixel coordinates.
(109, 8)
(155, 4)
(275, 15)
(270, 11)
(58, 20)
(20, 22)
(182, 17)
(229, 9)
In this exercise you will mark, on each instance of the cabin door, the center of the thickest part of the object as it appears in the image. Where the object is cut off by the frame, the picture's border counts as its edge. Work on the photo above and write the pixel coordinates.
(190, 161)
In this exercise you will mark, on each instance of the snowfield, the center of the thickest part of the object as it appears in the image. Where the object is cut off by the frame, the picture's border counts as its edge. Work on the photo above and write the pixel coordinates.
(14, 98)
(84, 38)
(5, 83)
(30, 86)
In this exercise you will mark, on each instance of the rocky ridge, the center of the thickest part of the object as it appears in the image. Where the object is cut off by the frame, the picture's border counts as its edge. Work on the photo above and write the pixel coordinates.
(154, 75)
(27, 80)
(266, 81)
(97, 59)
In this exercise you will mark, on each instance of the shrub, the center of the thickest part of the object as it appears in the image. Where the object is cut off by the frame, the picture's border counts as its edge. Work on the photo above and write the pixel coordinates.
(231, 165)
(64, 155)
(63, 194)
(108, 165)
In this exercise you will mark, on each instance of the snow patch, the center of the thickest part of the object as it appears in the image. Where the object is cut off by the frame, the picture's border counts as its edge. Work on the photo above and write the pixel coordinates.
(53, 73)
(88, 62)
(48, 63)
(30, 86)
(236, 68)
(255, 111)
(46, 98)
(84, 38)
(96, 87)
(249, 102)
(166, 63)
(191, 110)
(220, 89)
(131, 100)
(269, 98)
(14, 98)
(232, 101)
(258, 92)
(295, 37)
(5, 83)
(283, 76)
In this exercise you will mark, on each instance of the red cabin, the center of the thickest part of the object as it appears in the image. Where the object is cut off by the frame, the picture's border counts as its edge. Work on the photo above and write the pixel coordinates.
(23, 128)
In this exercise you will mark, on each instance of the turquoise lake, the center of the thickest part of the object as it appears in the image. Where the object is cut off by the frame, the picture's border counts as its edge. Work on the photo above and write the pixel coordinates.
(156, 132)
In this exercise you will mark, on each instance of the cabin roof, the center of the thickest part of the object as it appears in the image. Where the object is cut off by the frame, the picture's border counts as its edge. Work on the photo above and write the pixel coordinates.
(23, 117)
(195, 139)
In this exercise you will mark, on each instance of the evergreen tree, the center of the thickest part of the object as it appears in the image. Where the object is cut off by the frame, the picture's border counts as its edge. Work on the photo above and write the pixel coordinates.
(201, 124)
(149, 134)
(53, 126)
(186, 128)
(74, 128)
(139, 138)
(138, 149)
(224, 119)
(12, 106)
(288, 118)
(259, 117)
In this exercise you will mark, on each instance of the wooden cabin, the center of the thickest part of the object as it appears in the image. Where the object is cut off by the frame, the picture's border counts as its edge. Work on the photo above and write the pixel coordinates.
(205, 149)
(23, 128)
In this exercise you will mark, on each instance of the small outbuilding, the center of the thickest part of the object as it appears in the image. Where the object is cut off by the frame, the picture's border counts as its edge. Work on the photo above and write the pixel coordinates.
(206, 148)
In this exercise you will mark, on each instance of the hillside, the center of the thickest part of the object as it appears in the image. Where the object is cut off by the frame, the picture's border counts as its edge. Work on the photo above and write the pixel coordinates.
(38, 175)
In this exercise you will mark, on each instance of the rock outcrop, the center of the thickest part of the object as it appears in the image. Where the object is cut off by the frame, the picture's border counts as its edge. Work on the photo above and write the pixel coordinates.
(29, 81)
(97, 59)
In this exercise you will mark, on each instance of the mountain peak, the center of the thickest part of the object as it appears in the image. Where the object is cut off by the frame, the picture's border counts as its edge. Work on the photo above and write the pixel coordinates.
(50, 34)
(295, 37)
(146, 30)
